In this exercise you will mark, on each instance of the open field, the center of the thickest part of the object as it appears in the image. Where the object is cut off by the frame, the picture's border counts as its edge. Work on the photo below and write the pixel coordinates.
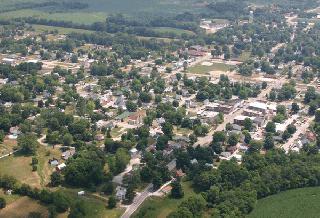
(22, 169)
(7, 146)
(158, 207)
(95, 205)
(290, 204)
(22, 207)
(61, 30)
(172, 30)
(98, 10)
(205, 69)
(76, 17)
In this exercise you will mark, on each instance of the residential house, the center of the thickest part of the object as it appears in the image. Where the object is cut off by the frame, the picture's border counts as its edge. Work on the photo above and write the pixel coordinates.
(121, 193)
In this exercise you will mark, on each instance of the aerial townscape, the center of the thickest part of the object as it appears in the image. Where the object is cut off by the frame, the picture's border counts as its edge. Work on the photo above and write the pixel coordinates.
(159, 108)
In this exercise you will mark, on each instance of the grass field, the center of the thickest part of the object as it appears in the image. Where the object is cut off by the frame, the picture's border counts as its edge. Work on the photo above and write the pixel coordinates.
(96, 206)
(7, 146)
(99, 9)
(19, 167)
(22, 207)
(61, 30)
(157, 207)
(202, 69)
(290, 204)
(172, 30)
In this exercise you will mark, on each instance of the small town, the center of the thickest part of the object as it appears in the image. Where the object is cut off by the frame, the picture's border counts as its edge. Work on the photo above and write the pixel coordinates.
(119, 119)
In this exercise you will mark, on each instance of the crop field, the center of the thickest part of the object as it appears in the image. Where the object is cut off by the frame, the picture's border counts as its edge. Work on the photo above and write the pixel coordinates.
(290, 204)
(97, 10)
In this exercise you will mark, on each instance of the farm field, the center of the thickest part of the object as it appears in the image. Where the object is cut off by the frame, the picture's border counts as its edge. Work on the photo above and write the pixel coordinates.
(98, 10)
(290, 204)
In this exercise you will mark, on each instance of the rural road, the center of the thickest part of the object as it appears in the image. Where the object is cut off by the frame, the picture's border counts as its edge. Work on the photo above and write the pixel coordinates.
(137, 201)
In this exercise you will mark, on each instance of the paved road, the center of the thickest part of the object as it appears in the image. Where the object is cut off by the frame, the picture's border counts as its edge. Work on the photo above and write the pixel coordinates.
(228, 118)
(300, 130)
(138, 200)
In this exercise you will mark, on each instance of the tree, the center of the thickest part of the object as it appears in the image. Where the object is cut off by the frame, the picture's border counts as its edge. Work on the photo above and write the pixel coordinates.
(167, 129)
(281, 109)
(78, 210)
(162, 142)
(3, 203)
(233, 139)
(178, 76)
(130, 194)
(56, 179)
(182, 212)
(255, 146)
(131, 106)
(295, 108)
(247, 124)
(310, 94)
(247, 136)
(264, 85)
(268, 142)
(219, 136)
(291, 128)
(61, 202)
(122, 158)
(2, 136)
(67, 139)
(28, 143)
(286, 135)
(317, 116)
(185, 66)
(176, 191)
(74, 58)
(112, 202)
(195, 205)
(271, 127)
(34, 161)
(157, 182)
(107, 188)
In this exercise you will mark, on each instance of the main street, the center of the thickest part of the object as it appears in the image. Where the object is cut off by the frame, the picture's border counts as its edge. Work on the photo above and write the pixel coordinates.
(228, 118)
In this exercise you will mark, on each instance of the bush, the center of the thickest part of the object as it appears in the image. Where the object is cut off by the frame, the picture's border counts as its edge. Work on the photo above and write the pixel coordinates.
(112, 202)
(3, 203)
